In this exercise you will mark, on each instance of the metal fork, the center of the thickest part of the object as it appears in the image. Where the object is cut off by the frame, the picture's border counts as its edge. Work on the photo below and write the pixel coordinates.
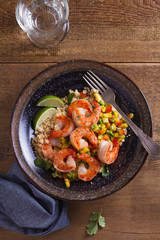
(108, 95)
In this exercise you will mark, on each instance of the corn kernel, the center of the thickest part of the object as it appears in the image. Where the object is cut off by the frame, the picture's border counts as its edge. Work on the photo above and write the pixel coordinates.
(63, 140)
(101, 102)
(107, 115)
(113, 127)
(105, 120)
(98, 97)
(100, 137)
(130, 115)
(116, 114)
(66, 145)
(116, 135)
(95, 127)
(121, 138)
(84, 150)
(67, 182)
(102, 129)
(124, 125)
(103, 108)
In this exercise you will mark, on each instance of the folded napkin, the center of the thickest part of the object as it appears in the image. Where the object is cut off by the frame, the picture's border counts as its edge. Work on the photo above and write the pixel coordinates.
(25, 209)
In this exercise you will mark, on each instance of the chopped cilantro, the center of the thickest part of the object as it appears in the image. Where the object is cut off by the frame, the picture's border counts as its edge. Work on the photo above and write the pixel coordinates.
(105, 171)
(78, 117)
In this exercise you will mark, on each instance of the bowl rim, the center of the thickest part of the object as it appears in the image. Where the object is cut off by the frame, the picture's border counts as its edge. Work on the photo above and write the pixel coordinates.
(42, 77)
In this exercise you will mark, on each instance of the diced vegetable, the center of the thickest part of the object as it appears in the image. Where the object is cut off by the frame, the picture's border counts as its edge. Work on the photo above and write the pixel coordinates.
(101, 102)
(105, 137)
(119, 123)
(72, 176)
(116, 114)
(111, 120)
(107, 115)
(98, 97)
(124, 125)
(130, 115)
(67, 182)
(121, 131)
(84, 150)
(108, 108)
(105, 120)
(121, 138)
(110, 133)
(100, 137)
(113, 127)
(116, 135)
(103, 108)
(95, 127)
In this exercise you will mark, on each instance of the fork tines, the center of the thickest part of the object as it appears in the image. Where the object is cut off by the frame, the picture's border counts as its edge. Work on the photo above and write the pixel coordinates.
(95, 82)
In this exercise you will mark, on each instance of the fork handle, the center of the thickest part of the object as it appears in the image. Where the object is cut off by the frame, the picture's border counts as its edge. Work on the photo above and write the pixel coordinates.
(151, 147)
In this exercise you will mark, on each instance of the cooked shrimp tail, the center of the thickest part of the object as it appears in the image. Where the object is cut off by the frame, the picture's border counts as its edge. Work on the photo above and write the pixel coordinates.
(65, 126)
(48, 151)
(77, 141)
(87, 173)
(64, 160)
(107, 152)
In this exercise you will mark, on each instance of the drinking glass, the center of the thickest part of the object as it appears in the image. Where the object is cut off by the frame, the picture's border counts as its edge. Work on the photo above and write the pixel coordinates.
(45, 21)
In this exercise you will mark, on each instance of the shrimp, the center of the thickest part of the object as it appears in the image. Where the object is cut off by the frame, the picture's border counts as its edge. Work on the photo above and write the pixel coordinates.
(80, 118)
(88, 173)
(65, 126)
(64, 160)
(47, 148)
(107, 152)
(81, 103)
(77, 141)
(48, 151)
(56, 142)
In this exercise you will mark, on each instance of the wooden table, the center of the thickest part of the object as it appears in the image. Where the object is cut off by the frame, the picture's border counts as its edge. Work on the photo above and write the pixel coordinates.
(126, 35)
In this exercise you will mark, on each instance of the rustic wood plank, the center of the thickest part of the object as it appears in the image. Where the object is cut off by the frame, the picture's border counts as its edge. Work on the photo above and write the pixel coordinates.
(131, 213)
(103, 30)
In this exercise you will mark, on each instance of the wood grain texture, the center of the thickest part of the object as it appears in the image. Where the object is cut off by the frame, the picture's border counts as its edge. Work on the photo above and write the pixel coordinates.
(102, 30)
(131, 213)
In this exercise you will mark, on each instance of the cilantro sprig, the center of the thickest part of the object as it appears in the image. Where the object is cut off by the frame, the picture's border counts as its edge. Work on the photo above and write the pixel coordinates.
(39, 162)
(96, 221)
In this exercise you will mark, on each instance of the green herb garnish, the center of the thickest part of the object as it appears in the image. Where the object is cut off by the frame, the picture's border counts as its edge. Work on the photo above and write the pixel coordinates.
(78, 117)
(39, 162)
(55, 174)
(96, 219)
(72, 176)
(70, 97)
(105, 171)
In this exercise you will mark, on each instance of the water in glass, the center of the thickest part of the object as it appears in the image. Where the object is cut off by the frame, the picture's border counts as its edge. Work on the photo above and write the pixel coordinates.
(43, 20)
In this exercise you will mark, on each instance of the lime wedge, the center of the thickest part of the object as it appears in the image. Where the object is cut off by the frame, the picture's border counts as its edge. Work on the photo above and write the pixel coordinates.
(42, 115)
(50, 101)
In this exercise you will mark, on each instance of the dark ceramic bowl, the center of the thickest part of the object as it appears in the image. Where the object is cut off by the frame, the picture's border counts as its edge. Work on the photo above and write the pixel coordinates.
(57, 80)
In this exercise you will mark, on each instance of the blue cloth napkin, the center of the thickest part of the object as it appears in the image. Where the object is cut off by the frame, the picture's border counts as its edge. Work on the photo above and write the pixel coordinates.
(27, 210)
